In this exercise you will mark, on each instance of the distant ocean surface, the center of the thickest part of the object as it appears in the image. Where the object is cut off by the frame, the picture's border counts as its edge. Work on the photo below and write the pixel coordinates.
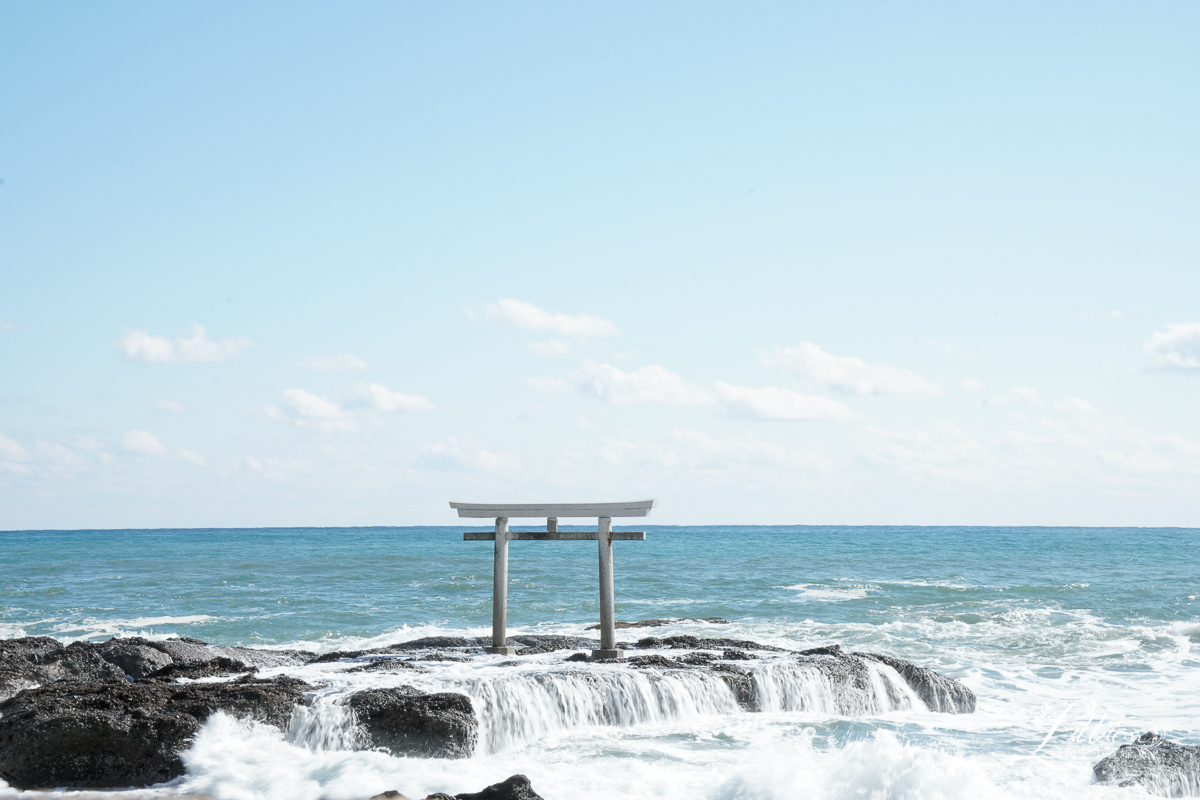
(1073, 639)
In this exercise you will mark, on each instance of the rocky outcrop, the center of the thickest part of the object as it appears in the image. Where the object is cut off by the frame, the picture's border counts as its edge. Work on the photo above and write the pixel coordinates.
(847, 672)
(136, 657)
(658, 623)
(1154, 763)
(696, 643)
(515, 788)
(119, 734)
(937, 691)
(40, 660)
(193, 658)
(407, 722)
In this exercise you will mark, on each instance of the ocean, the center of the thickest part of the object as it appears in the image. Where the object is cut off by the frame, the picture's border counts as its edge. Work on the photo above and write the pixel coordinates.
(1074, 640)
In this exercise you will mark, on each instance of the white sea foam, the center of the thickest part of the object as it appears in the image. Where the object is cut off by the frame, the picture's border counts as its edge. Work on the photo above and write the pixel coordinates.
(90, 627)
(811, 591)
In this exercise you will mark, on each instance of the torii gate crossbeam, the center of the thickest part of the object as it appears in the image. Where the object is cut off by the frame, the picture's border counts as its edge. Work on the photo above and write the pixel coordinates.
(604, 535)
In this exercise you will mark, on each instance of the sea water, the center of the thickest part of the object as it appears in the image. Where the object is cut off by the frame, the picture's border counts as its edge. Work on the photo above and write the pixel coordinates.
(1074, 640)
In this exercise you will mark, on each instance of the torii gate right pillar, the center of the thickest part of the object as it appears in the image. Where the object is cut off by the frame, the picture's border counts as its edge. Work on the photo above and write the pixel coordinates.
(608, 622)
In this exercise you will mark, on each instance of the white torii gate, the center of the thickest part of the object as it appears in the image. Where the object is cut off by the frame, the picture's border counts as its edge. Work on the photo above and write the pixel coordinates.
(605, 535)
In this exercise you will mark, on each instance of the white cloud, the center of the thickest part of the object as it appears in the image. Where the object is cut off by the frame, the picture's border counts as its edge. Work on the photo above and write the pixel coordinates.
(656, 384)
(309, 411)
(170, 406)
(312, 412)
(191, 349)
(280, 468)
(59, 454)
(970, 384)
(528, 317)
(143, 443)
(774, 403)
(700, 449)
(697, 450)
(1018, 395)
(189, 456)
(456, 456)
(88, 443)
(1076, 404)
(851, 375)
(333, 363)
(649, 384)
(1178, 347)
(1022, 438)
(10, 450)
(380, 398)
(948, 348)
(7, 326)
(942, 451)
(554, 347)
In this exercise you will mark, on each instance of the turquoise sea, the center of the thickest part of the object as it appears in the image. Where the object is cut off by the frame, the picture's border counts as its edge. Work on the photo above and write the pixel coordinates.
(1073, 639)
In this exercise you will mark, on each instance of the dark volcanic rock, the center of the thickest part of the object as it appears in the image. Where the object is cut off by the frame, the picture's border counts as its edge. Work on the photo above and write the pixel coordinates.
(441, 657)
(731, 654)
(406, 722)
(437, 643)
(344, 655)
(696, 643)
(739, 682)
(831, 650)
(136, 657)
(40, 660)
(658, 623)
(700, 659)
(120, 734)
(212, 668)
(661, 662)
(937, 691)
(534, 644)
(515, 788)
(193, 654)
(1154, 763)
(388, 665)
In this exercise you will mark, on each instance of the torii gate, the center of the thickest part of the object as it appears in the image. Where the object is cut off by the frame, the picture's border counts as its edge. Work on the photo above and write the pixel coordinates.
(605, 535)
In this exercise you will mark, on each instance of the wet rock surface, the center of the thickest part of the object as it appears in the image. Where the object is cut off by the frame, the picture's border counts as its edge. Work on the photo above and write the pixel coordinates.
(388, 665)
(534, 645)
(1156, 764)
(515, 788)
(407, 722)
(696, 643)
(937, 691)
(658, 623)
(203, 658)
(40, 660)
(135, 656)
(119, 734)
(847, 672)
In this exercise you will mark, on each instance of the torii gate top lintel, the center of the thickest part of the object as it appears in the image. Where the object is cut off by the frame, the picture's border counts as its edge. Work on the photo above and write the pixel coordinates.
(605, 536)
(633, 508)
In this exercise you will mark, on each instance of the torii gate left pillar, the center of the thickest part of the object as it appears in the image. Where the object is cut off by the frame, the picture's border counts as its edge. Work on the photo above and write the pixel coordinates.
(604, 536)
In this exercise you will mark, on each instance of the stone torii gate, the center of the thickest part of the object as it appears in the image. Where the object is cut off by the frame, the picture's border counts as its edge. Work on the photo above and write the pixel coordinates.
(605, 535)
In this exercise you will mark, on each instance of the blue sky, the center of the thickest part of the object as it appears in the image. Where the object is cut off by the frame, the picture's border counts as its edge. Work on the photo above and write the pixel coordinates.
(864, 263)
